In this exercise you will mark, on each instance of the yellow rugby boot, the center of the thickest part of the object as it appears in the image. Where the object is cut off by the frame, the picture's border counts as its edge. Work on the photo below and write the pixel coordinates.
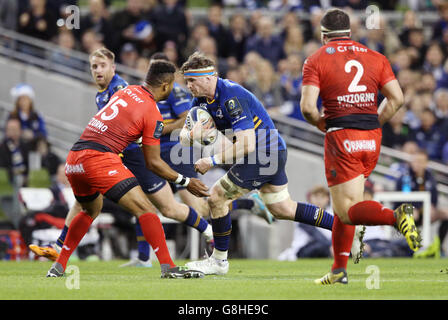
(406, 225)
(333, 277)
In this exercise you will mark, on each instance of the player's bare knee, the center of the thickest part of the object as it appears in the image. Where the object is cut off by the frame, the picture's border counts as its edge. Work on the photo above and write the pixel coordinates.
(343, 216)
(215, 200)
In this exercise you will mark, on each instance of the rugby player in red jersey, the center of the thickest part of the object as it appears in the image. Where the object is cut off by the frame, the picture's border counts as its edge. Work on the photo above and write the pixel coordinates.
(347, 75)
(94, 168)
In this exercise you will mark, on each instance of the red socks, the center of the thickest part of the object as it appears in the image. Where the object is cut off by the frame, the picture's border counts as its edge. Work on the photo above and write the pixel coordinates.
(149, 222)
(371, 213)
(78, 228)
(342, 238)
(368, 213)
(153, 231)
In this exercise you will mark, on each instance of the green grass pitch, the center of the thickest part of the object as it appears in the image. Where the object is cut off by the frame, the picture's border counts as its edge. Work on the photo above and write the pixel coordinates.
(381, 279)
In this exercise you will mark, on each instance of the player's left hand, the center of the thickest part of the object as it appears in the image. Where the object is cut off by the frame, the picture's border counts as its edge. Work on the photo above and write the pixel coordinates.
(203, 165)
(321, 124)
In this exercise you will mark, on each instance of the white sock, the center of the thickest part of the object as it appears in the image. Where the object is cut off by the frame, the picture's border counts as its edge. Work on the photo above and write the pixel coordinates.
(208, 233)
(219, 255)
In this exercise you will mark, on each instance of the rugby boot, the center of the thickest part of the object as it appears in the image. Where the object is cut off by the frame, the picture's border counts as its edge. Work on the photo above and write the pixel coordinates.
(333, 277)
(405, 224)
(46, 252)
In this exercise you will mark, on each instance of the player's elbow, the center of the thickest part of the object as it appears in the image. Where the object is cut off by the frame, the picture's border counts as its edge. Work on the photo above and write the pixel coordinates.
(249, 142)
(250, 147)
(307, 108)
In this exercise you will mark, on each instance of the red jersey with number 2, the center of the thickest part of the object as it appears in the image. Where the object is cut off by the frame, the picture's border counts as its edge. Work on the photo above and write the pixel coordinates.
(349, 76)
(130, 114)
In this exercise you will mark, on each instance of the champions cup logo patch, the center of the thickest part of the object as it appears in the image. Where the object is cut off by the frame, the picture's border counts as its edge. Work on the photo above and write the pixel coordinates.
(359, 145)
(330, 50)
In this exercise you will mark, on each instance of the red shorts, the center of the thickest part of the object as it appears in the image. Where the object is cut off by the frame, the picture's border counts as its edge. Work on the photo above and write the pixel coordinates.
(91, 172)
(350, 153)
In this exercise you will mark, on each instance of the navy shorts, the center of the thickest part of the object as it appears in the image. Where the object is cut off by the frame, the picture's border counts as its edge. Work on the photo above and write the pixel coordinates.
(254, 172)
(184, 167)
(134, 160)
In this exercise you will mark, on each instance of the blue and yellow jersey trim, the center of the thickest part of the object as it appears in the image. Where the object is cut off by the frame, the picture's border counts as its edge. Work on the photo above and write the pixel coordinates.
(165, 121)
(257, 122)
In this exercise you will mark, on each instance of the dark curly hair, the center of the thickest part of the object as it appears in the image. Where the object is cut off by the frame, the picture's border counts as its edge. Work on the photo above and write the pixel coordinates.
(160, 71)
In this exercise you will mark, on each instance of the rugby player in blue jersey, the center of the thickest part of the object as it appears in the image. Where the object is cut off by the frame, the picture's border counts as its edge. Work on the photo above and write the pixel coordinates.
(258, 157)
(158, 191)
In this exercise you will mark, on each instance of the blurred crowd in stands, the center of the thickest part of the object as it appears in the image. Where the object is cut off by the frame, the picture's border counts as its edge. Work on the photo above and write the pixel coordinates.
(263, 52)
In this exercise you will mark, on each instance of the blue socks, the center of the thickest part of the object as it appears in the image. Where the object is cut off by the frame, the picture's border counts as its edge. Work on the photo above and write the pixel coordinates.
(196, 221)
(313, 215)
(61, 239)
(142, 244)
(222, 228)
(242, 204)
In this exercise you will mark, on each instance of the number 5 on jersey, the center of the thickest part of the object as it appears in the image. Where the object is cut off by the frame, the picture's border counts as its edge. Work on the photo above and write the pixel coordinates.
(113, 104)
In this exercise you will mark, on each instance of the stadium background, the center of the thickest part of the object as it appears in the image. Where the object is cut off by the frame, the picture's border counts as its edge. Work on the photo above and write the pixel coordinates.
(260, 44)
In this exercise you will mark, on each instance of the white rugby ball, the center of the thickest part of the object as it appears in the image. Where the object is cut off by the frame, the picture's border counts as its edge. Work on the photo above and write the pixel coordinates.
(199, 114)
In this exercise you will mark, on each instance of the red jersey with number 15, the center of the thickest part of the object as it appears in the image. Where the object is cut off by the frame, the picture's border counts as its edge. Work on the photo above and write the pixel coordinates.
(349, 76)
(130, 114)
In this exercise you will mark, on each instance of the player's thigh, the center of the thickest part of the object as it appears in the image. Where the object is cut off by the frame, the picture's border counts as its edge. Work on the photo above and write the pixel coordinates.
(92, 207)
(278, 201)
(345, 195)
(135, 202)
(74, 210)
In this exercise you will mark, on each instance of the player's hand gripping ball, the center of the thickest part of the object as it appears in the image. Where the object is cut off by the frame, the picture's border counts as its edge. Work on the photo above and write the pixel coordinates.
(202, 126)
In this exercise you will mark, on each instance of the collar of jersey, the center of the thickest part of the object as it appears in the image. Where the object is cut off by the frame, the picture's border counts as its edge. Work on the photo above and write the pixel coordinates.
(341, 39)
(218, 84)
(149, 92)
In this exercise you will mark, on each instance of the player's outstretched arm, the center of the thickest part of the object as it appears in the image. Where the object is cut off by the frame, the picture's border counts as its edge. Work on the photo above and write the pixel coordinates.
(395, 100)
(245, 143)
(157, 165)
(177, 124)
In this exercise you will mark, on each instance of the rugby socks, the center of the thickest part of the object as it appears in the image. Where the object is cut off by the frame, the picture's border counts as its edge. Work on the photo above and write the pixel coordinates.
(241, 204)
(153, 231)
(313, 215)
(78, 228)
(62, 236)
(142, 244)
(196, 221)
(341, 238)
(371, 213)
(222, 228)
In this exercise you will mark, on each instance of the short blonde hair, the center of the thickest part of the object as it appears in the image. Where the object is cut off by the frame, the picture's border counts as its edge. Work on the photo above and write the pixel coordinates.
(103, 53)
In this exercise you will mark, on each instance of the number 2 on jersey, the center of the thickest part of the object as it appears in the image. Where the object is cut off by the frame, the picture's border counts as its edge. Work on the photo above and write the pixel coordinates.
(354, 85)
(113, 105)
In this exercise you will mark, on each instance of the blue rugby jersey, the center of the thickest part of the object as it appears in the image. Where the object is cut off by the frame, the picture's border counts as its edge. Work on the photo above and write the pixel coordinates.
(234, 107)
(177, 102)
(103, 96)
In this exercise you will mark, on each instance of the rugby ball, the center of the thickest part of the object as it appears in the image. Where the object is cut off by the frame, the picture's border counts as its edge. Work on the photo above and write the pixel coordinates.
(199, 114)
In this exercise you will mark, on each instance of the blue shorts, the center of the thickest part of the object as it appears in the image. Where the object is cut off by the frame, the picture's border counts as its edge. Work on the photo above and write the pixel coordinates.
(254, 173)
(185, 168)
(134, 160)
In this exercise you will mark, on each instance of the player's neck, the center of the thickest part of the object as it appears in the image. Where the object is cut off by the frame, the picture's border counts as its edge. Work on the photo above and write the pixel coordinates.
(210, 95)
(338, 38)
